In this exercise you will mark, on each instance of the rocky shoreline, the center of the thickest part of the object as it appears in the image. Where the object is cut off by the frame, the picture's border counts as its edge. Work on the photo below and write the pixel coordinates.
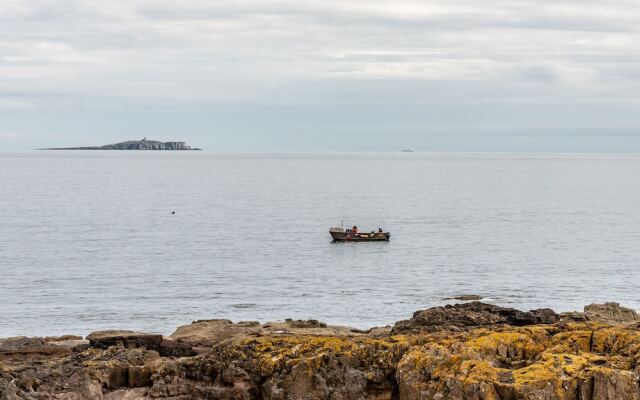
(465, 351)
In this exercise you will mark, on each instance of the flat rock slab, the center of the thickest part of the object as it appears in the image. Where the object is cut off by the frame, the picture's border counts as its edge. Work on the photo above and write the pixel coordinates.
(207, 333)
(30, 345)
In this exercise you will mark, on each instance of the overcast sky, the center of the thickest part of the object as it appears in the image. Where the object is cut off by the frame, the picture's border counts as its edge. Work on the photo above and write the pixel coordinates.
(469, 75)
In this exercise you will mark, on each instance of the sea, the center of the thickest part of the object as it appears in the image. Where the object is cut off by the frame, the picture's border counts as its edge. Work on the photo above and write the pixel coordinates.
(149, 241)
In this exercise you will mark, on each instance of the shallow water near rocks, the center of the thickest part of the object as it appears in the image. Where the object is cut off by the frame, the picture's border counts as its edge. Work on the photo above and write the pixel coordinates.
(88, 240)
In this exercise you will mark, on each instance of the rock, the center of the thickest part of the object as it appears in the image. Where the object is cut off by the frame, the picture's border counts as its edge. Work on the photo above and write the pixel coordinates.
(309, 323)
(573, 316)
(127, 394)
(127, 339)
(21, 344)
(611, 313)
(474, 314)
(62, 338)
(207, 333)
(73, 345)
(11, 392)
(490, 360)
(30, 345)
(171, 348)
(375, 332)
(538, 362)
(148, 341)
(309, 327)
(465, 297)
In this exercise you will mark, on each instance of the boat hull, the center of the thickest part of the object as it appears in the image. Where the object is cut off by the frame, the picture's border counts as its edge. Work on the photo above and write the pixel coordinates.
(360, 237)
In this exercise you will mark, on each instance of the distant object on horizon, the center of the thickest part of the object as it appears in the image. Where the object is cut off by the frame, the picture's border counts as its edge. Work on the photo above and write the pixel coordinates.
(408, 150)
(143, 144)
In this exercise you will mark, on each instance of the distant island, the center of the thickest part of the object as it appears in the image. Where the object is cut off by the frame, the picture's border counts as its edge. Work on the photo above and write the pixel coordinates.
(143, 144)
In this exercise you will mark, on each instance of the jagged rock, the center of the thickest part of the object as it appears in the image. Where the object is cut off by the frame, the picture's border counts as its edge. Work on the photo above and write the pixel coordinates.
(611, 313)
(608, 313)
(474, 314)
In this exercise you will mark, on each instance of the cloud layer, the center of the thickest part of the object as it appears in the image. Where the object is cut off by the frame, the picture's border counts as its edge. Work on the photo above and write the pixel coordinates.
(249, 74)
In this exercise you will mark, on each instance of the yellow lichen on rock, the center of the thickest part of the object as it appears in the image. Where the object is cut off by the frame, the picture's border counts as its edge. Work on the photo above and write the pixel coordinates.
(562, 361)
(543, 362)
(616, 340)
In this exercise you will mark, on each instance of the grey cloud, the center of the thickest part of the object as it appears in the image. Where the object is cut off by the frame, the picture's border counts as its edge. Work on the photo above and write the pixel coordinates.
(260, 58)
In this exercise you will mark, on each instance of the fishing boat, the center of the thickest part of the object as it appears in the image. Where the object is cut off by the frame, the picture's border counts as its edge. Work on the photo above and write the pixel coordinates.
(353, 235)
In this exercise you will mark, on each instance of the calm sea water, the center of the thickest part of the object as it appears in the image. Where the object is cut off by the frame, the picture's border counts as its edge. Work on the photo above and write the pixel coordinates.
(88, 241)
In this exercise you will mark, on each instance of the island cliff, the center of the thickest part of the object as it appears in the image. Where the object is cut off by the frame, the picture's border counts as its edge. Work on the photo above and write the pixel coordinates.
(143, 144)
(472, 351)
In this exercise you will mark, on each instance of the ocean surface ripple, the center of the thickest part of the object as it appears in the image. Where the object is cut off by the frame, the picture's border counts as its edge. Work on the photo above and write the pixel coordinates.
(88, 240)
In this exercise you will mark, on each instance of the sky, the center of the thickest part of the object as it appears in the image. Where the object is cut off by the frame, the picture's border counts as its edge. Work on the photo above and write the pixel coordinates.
(253, 75)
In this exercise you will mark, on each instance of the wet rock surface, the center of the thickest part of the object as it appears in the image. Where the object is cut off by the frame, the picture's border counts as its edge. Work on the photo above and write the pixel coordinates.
(465, 297)
(507, 355)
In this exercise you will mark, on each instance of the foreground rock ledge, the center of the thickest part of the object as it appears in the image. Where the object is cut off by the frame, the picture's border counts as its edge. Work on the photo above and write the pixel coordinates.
(469, 351)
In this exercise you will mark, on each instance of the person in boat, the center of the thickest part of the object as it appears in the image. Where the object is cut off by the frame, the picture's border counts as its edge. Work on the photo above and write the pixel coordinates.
(354, 230)
(379, 230)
